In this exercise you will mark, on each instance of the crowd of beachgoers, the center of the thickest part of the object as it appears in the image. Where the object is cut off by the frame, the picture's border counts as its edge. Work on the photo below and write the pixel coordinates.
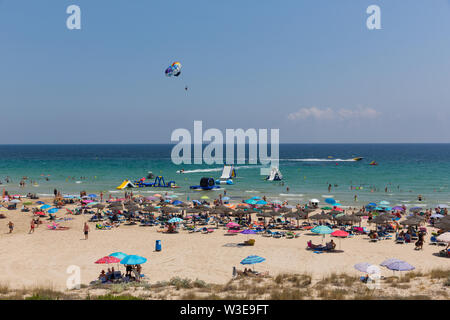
(253, 218)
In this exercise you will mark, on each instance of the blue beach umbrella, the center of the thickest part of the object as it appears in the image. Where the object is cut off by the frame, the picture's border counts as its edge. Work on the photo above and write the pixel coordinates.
(175, 220)
(226, 198)
(196, 201)
(248, 231)
(400, 266)
(253, 260)
(256, 198)
(40, 202)
(118, 255)
(251, 201)
(92, 195)
(45, 206)
(261, 202)
(330, 201)
(322, 230)
(53, 210)
(133, 260)
(362, 266)
(177, 202)
(389, 261)
(337, 204)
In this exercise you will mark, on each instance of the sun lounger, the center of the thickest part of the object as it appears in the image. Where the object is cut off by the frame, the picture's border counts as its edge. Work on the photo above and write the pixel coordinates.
(277, 234)
(400, 240)
(268, 233)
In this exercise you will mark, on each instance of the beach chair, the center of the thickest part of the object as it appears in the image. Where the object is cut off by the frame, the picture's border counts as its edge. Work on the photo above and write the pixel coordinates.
(277, 234)
(400, 240)
(268, 233)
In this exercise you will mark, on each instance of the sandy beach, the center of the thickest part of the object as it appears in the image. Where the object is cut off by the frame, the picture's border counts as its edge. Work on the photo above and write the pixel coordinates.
(42, 258)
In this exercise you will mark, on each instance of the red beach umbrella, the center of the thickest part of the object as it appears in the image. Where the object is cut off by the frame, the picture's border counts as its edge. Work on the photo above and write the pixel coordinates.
(339, 233)
(107, 260)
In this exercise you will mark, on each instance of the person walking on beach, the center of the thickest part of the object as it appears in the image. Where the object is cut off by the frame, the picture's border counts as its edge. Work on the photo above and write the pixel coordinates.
(10, 226)
(329, 187)
(101, 196)
(86, 230)
(31, 226)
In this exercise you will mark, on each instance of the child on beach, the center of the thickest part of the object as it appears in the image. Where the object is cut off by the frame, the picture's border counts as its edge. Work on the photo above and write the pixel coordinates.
(10, 226)
(31, 226)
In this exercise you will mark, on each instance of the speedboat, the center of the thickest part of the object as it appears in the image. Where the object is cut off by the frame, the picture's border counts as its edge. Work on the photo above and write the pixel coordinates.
(358, 158)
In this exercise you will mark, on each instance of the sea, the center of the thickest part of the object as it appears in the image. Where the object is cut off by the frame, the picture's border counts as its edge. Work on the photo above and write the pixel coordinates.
(404, 172)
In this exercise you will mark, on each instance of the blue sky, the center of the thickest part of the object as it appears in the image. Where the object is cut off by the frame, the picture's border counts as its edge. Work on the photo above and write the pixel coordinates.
(308, 67)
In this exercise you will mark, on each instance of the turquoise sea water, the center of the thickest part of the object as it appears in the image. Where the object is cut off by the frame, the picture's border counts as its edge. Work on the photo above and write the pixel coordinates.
(407, 170)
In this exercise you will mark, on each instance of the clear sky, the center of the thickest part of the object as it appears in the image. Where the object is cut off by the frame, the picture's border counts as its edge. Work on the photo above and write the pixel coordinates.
(308, 67)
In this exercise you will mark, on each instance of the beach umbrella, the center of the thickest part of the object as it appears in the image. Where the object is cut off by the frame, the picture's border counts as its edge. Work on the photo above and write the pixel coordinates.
(248, 231)
(253, 260)
(226, 198)
(362, 266)
(177, 202)
(167, 210)
(28, 203)
(45, 206)
(443, 226)
(284, 210)
(322, 230)
(320, 216)
(224, 208)
(397, 208)
(204, 197)
(232, 225)
(437, 215)
(330, 201)
(92, 204)
(119, 255)
(251, 201)
(256, 198)
(326, 208)
(40, 202)
(340, 233)
(445, 237)
(389, 261)
(53, 210)
(107, 260)
(193, 210)
(175, 220)
(400, 266)
(261, 202)
(264, 214)
(133, 260)
(92, 195)
(337, 204)
(15, 201)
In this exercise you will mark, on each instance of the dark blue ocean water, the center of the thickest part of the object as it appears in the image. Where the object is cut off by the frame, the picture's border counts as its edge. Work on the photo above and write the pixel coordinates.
(405, 169)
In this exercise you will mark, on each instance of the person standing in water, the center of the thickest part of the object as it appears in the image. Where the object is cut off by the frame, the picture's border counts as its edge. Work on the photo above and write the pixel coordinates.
(329, 187)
